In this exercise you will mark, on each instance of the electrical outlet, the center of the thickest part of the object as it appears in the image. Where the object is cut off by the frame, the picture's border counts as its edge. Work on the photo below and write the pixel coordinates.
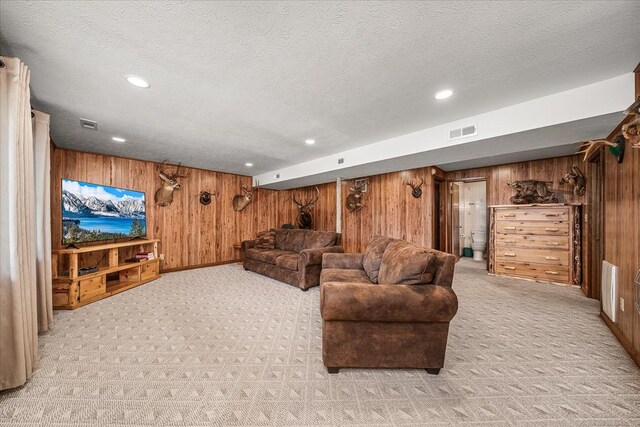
(162, 257)
(621, 304)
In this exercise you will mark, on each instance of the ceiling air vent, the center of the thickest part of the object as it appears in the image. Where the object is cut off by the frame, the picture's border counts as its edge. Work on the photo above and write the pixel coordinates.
(89, 124)
(463, 132)
(341, 160)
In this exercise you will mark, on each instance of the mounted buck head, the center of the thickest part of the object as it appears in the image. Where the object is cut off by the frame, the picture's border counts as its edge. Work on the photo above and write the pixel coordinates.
(164, 194)
(416, 190)
(577, 179)
(305, 220)
(354, 200)
(240, 201)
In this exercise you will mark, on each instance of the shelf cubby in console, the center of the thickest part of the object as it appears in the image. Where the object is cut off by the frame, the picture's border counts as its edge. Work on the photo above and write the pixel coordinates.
(72, 290)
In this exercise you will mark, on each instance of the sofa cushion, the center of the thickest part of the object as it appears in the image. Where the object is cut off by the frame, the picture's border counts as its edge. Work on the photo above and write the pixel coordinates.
(343, 275)
(373, 256)
(266, 240)
(319, 239)
(265, 255)
(290, 240)
(406, 264)
(288, 261)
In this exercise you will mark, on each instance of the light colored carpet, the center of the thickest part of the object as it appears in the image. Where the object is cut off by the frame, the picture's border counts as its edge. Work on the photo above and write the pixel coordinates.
(223, 347)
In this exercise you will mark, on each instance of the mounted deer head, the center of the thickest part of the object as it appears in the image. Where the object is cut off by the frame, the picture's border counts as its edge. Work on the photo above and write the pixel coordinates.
(205, 196)
(240, 201)
(164, 194)
(577, 179)
(354, 200)
(305, 220)
(416, 190)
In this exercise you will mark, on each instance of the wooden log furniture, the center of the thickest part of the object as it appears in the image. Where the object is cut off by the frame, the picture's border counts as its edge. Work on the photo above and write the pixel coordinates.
(71, 290)
(540, 242)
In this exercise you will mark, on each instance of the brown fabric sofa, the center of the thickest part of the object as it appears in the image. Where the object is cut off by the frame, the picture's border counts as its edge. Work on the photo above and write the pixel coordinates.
(387, 308)
(296, 257)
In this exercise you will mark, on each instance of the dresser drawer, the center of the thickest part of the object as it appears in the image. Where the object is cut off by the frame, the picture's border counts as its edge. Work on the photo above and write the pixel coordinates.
(533, 271)
(535, 242)
(540, 228)
(93, 287)
(531, 214)
(538, 256)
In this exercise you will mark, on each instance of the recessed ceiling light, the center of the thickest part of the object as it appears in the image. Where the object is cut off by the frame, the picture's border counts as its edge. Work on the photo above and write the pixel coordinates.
(309, 141)
(248, 164)
(444, 94)
(118, 139)
(138, 81)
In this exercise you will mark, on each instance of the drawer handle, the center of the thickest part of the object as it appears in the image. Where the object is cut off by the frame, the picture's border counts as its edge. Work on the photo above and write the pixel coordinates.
(509, 228)
(552, 243)
(552, 258)
(552, 214)
(509, 215)
(509, 254)
(509, 241)
(551, 229)
(509, 268)
(554, 273)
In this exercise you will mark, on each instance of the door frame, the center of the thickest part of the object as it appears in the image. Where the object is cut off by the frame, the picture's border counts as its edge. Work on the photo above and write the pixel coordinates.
(448, 210)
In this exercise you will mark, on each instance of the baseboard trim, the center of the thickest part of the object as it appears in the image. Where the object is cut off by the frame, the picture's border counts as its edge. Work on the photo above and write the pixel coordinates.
(192, 267)
(628, 345)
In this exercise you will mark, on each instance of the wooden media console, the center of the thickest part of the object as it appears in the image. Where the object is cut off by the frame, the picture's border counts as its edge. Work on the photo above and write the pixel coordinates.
(72, 290)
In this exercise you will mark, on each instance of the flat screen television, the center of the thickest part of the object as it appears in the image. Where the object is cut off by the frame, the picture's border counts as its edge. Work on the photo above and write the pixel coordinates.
(95, 212)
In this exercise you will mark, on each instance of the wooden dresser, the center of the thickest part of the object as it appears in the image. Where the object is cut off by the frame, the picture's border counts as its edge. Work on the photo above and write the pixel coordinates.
(539, 242)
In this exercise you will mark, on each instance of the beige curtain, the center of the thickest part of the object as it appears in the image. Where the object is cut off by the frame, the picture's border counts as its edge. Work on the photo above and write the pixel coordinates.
(42, 152)
(24, 267)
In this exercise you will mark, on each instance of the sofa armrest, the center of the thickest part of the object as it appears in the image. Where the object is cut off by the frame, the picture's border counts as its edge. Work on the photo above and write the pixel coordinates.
(387, 303)
(343, 261)
(314, 256)
(247, 244)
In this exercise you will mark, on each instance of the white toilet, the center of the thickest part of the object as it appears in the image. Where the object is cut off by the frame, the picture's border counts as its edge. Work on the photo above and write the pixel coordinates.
(479, 244)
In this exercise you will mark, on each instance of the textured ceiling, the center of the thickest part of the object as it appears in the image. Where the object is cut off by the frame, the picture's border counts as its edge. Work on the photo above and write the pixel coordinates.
(248, 81)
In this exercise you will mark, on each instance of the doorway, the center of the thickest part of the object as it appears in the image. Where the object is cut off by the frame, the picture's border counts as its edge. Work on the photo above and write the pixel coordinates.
(469, 219)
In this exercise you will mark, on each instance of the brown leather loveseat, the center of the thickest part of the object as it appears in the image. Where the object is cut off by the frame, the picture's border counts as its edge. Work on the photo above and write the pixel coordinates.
(291, 256)
(389, 307)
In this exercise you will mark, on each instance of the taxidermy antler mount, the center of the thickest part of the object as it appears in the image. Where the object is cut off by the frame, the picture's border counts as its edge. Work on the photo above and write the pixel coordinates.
(577, 179)
(164, 194)
(240, 201)
(631, 131)
(354, 200)
(305, 219)
(205, 196)
(616, 147)
(416, 190)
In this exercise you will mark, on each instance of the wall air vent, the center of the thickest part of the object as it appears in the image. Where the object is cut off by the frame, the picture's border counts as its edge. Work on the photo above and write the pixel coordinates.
(463, 132)
(88, 124)
(341, 160)
(277, 176)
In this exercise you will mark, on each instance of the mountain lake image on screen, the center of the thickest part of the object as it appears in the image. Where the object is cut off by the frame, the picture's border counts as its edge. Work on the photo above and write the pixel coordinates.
(93, 212)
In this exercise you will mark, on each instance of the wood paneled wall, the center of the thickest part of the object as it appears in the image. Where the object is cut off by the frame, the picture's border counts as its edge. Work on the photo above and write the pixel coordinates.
(389, 209)
(543, 170)
(622, 236)
(323, 211)
(191, 234)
